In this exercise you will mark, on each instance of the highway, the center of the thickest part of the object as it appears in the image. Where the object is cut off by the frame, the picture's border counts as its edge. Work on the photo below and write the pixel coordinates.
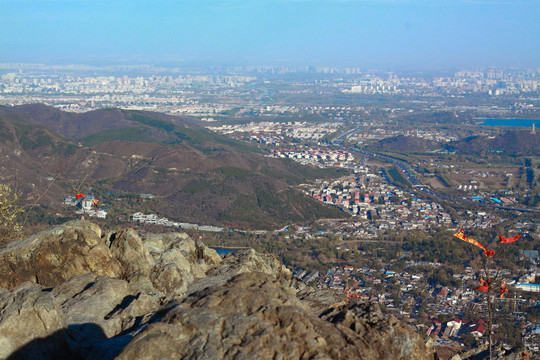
(417, 185)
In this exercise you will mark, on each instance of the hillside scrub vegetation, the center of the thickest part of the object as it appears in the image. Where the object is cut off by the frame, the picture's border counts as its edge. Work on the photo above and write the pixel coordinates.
(9, 211)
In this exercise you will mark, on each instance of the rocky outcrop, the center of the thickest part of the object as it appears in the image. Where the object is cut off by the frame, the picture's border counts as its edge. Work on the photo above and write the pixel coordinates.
(28, 313)
(83, 293)
(52, 257)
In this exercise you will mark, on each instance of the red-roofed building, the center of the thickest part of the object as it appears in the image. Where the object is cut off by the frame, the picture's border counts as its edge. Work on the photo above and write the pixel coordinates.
(443, 291)
(452, 327)
(478, 330)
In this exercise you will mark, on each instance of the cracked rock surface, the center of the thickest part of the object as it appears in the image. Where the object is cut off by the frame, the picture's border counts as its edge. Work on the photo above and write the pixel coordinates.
(79, 292)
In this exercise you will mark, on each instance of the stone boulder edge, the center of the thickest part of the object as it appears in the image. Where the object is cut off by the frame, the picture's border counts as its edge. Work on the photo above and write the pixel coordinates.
(167, 296)
(31, 324)
(52, 257)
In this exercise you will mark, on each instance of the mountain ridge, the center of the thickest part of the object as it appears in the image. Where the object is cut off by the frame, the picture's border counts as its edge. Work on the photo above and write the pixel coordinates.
(514, 142)
(215, 180)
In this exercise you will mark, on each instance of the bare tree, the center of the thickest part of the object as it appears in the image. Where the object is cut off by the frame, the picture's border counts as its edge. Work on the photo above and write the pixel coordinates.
(493, 284)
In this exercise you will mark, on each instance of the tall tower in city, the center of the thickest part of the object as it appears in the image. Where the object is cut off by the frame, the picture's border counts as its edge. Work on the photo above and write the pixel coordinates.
(533, 130)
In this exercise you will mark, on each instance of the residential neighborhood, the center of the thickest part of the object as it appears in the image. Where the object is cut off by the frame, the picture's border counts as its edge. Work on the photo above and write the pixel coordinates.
(446, 314)
(154, 219)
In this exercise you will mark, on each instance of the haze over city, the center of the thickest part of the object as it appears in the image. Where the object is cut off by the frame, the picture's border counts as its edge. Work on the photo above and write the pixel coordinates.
(222, 179)
(373, 34)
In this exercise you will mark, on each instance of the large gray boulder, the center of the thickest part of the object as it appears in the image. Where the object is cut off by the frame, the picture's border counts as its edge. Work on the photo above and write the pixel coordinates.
(52, 257)
(257, 315)
(31, 324)
(88, 294)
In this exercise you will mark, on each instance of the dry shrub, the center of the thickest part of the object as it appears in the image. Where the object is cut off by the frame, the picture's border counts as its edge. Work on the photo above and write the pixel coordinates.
(10, 209)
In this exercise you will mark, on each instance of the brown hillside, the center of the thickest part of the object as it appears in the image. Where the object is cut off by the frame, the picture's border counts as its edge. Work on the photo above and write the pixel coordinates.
(148, 126)
(405, 143)
(512, 143)
(204, 179)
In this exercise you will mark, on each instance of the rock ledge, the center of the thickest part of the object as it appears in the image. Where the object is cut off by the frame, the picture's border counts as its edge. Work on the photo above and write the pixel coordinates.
(77, 291)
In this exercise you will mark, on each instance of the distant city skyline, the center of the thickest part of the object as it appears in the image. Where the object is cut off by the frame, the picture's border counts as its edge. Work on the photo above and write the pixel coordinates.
(376, 34)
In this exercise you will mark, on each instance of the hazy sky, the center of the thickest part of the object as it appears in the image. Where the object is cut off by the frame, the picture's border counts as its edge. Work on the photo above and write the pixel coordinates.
(384, 33)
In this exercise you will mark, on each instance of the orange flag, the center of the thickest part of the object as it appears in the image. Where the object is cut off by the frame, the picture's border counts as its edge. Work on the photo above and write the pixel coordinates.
(461, 236)
(504, 290)
(509, 240)
(484, 285)
(79, 196)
